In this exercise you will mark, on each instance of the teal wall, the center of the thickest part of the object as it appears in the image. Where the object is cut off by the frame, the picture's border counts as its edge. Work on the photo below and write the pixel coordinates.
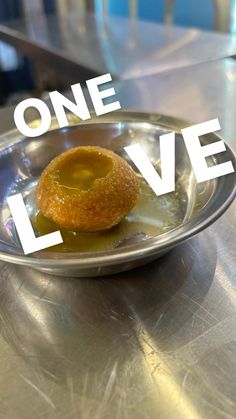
(186, 12)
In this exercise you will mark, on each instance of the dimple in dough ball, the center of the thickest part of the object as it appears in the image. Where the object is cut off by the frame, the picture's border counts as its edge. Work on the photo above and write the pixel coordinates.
(87, 189)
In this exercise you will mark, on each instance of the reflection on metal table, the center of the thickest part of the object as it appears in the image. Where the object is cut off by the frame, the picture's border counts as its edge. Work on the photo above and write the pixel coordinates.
(126, 48)
(156, 342)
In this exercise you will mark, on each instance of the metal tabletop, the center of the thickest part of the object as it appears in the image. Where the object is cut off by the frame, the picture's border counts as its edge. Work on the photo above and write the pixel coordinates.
(155, 342)
(127, 48)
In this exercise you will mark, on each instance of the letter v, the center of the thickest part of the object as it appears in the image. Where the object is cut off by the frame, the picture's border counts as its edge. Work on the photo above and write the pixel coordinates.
(166, 183)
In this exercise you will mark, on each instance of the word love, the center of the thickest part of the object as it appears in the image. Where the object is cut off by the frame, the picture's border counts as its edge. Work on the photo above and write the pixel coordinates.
(59, 102)
(160, 184)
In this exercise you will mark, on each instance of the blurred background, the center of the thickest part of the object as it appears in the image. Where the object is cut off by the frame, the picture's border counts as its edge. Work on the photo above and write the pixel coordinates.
(23, 73)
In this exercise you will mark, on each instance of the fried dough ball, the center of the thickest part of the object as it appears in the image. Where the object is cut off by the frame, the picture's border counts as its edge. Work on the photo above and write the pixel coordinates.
(87, 189)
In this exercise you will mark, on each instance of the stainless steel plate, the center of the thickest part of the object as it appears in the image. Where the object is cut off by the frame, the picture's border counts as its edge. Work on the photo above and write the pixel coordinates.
(155, 226)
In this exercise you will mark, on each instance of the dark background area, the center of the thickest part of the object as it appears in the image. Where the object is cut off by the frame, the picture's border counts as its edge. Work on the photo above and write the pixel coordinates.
(24, 77)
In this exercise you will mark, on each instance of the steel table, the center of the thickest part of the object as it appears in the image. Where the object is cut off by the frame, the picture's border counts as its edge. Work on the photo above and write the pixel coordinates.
(127, 48)
(156, 342)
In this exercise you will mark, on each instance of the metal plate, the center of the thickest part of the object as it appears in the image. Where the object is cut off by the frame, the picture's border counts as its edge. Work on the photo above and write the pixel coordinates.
(194, 205)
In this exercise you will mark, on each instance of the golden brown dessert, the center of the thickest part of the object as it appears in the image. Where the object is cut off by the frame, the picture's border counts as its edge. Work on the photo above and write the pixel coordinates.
(87, 189)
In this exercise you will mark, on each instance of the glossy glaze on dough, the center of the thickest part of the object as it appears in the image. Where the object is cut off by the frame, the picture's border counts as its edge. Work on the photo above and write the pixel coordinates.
(98, 202)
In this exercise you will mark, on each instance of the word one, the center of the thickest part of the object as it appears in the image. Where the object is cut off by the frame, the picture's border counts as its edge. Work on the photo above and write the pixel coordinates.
(160, 184)
(59, 102)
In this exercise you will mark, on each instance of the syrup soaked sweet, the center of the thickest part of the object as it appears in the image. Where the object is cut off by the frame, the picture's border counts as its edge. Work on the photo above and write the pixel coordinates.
(87, 189)
(81, 170)
(151, 217)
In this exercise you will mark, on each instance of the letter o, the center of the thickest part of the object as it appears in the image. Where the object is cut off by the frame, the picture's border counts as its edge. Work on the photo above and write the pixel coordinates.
(20, 120)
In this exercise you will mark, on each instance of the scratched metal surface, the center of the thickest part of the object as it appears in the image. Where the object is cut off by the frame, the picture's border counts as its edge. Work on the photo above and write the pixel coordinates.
(156, 342)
